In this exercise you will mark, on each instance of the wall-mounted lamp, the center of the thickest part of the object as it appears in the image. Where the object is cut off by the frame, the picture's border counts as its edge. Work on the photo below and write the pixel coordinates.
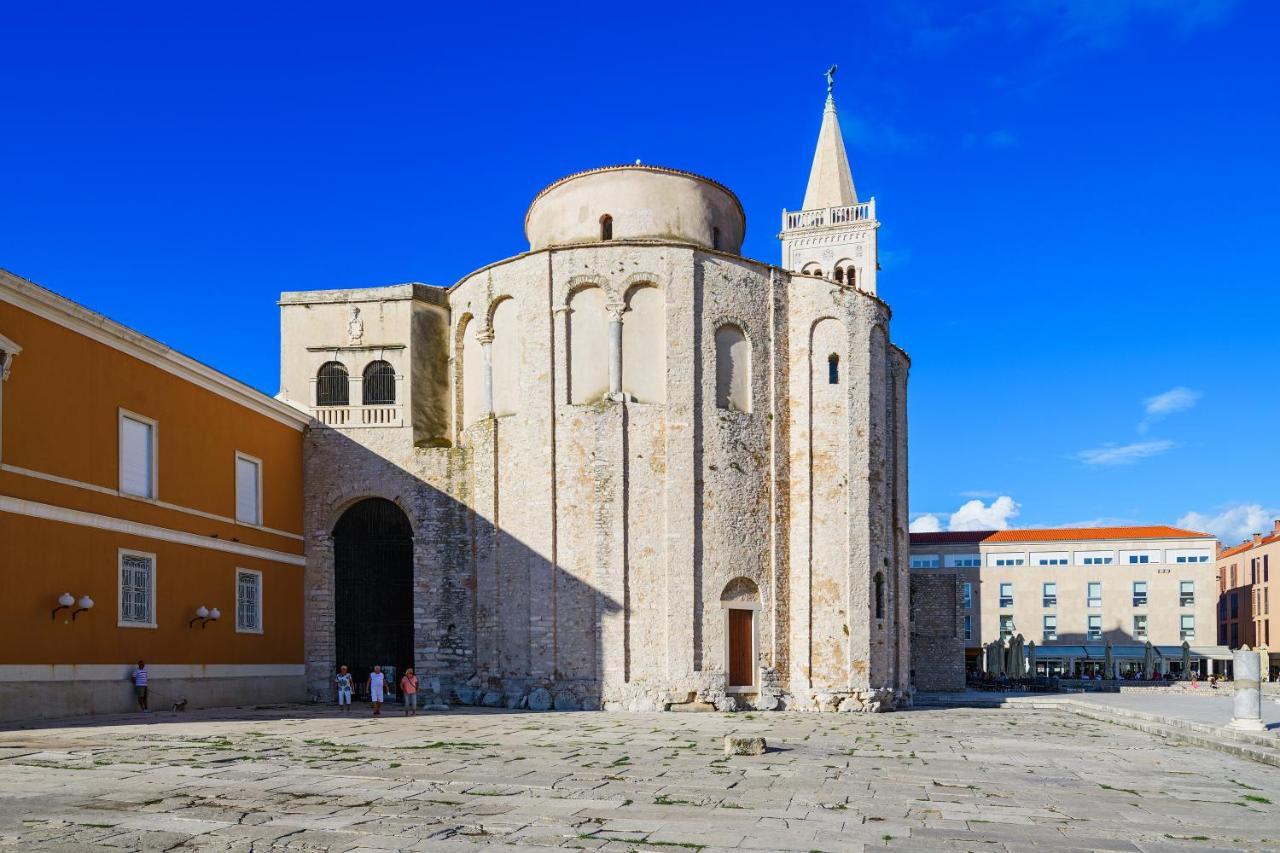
(66, 600)
(204, 616)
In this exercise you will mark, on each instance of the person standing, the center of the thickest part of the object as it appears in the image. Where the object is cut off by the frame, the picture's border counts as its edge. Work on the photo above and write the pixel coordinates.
(139, 678)
(409, 689)
(345, 683)
(376, 685)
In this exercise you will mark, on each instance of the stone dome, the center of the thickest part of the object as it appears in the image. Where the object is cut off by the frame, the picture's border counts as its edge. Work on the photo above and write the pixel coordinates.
(636, 203)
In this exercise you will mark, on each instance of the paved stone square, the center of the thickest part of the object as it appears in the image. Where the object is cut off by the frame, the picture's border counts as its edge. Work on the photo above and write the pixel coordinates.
(303, 778)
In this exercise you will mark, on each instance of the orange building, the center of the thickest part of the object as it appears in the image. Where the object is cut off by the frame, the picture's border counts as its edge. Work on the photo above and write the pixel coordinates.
(147, 493)
(1244, 604)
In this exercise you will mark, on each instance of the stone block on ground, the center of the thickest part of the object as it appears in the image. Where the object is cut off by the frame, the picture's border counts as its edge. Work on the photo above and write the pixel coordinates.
(743, 745)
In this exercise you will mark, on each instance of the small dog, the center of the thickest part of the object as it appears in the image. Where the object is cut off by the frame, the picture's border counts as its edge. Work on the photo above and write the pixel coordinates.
(180, 705)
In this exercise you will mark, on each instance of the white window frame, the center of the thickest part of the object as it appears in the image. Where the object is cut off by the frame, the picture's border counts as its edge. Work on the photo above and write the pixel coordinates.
(8, 351)
(261, 613)
(155, 454)
(968, 626)
(1183, 633)
(1088, 626)
(754, 686)
(1146, 626)
(257, 522)
(967, 595)
(155, 577)
(1045, 594)
(1045, 628)
(1013, 629)
(1002, 597)
(1185, 600)
(1089, 598)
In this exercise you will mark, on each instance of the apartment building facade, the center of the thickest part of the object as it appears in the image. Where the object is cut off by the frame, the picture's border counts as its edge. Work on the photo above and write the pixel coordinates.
(150, 508)
(1244, 600)
(1072, 591)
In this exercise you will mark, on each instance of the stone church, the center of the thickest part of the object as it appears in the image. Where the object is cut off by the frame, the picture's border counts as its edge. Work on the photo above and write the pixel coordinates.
(628, 468)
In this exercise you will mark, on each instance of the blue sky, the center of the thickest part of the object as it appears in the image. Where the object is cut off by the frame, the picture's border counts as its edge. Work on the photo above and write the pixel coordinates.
(1079, 200)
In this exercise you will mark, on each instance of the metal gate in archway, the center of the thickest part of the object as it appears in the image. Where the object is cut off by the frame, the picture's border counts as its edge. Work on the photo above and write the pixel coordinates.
(373, 590)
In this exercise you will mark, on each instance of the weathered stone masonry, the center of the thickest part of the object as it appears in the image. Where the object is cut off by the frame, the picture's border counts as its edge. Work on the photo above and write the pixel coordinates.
(586, 516)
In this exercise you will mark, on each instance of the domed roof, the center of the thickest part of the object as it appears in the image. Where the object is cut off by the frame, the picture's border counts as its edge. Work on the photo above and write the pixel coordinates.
(636, 202)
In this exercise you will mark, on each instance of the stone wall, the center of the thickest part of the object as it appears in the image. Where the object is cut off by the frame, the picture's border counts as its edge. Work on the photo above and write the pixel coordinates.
(584, 551)
(937, 640)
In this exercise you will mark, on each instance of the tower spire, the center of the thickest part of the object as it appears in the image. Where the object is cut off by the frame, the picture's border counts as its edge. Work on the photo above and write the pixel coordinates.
(830, 179)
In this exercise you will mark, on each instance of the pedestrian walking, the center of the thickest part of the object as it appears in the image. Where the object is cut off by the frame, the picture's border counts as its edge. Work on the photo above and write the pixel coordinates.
(139, 678)
(409, 689)
(376, 685)
(345, 684)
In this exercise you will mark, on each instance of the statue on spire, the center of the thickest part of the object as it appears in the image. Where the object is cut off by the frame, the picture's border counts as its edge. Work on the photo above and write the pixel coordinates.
(831, 79)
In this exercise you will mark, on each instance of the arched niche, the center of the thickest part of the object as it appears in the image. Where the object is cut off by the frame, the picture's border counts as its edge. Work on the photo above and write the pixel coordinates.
(644, 345)
(588, 346)
(472, 371)
(506, 357)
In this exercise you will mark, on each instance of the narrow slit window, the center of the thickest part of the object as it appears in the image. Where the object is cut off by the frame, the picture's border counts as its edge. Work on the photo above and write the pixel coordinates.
(715, 238)
(879, 595)
(833, 369)
(606, 227)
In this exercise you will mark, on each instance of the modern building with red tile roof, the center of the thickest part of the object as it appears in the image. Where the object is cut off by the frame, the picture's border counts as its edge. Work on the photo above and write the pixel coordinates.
(1072, 589)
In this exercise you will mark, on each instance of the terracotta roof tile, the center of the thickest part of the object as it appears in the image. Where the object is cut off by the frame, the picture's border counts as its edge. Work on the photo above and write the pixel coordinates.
(951, 537)
(1249, 545)
(1069, 534)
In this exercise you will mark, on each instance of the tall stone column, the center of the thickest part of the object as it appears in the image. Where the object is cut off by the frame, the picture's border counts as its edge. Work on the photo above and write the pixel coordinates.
(1247, 708)
(485, 338)
(614, 310)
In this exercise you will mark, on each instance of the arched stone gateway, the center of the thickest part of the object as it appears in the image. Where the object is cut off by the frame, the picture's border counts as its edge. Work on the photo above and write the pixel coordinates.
(373, 587)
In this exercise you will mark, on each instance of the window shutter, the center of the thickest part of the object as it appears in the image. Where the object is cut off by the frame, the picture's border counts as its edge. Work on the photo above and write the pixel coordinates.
(247, 491)
(136, 457)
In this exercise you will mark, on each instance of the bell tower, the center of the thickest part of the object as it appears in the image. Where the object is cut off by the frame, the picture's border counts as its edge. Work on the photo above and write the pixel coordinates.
(833, 236)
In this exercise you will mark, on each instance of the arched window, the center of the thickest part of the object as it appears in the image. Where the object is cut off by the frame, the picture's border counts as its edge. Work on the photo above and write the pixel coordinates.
(733, 369)
(817, 271)
(331, 385)
(879, 595)
(839, 274)
(833, 369)
(852, 279)
(379, 384)
(606, 227)
(715, 238)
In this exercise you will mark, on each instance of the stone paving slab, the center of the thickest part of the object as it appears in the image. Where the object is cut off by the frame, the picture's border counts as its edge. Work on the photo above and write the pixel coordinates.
(302, 778)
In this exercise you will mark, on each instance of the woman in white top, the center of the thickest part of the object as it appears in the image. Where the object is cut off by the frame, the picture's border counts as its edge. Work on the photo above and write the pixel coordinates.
(377, 685)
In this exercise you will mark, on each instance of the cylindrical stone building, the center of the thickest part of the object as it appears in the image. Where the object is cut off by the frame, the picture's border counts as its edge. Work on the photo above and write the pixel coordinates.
(628, 468)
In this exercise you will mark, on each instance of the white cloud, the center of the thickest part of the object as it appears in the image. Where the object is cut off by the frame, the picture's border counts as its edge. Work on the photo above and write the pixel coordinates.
(1160, 406)
(1124, 454)
(1232, 524)
(975, 515)
(927, 523)
(1174, 400)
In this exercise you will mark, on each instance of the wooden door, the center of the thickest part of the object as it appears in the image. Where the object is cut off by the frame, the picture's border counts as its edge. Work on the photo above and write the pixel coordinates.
(742, 668)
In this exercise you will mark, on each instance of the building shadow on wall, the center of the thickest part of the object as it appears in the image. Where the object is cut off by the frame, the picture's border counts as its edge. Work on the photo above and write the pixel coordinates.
(490, 618)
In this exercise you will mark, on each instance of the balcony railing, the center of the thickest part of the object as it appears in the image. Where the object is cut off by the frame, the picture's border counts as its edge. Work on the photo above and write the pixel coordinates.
(360, 416)
(793, 220)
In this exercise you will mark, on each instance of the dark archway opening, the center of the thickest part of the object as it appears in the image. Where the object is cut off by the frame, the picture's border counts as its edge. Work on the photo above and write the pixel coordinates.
(373, 590)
